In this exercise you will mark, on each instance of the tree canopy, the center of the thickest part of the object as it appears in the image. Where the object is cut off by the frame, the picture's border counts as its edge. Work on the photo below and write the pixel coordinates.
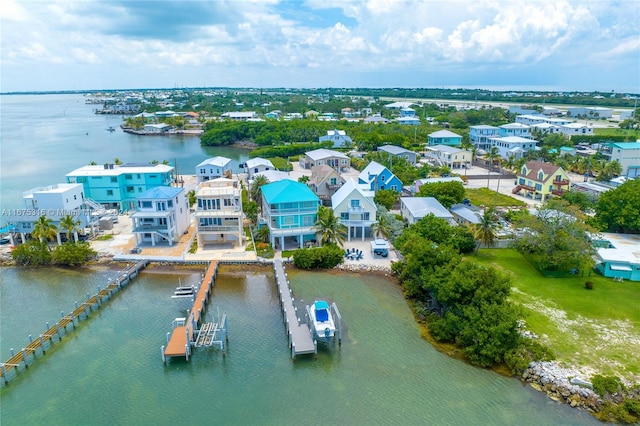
(447, 193)
(618, 210)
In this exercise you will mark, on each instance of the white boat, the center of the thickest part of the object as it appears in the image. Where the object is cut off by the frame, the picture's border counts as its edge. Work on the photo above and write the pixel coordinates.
(321, 320)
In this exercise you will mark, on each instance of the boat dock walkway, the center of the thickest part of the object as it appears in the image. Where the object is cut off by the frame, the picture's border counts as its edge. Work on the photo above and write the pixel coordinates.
(80, 312)
(185, 330)
(300, 340)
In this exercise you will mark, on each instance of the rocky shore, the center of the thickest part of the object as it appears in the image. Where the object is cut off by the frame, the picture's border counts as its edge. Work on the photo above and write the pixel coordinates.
(562, 385)
(363, 267)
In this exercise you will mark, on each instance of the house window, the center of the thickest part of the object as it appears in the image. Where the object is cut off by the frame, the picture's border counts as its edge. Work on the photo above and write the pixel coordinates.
(307, 221)
(394, 187)
(170, 203)
(355, 203)
(344, 216)
(130, 189)
(109, 191)
(146, 204)
(366, 216)
(333, 181)
(161, 206)
(227, 202)
(202, 171)
(540, 175)
(114, 179)
(538, 187)
(288, 220)
(128, 177)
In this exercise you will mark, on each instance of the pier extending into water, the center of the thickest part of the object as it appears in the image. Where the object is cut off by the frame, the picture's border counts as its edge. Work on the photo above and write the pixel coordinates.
(299, 335)
(186, 333)
(80, 312)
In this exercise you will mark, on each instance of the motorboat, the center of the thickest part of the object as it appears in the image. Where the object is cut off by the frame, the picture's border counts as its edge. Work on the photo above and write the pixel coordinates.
(320, 320)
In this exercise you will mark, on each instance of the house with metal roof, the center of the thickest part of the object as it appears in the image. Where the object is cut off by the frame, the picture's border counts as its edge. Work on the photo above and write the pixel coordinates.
(161, 217)
(480, 135)
(273, 175)
(452, 157)
(257, 165)
(377, 177)
(465, 215)
(444, 137)
(398, 151)
(513, 146)
(213, 168)
(539, 180)
(290, 211)
(413, 209)
(118, 186)
(353, 204)
(515, 129)
(239, 115)
(408, 120)
(619, 256)
(339, 138)
(318, 157)
(218, 212)
(324, 182)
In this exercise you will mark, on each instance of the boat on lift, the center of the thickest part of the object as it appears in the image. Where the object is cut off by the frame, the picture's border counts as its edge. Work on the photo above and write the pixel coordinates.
(321, 320)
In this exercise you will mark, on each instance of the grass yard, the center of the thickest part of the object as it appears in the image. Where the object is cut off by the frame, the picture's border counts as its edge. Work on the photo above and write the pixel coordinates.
(612, 131)
(487, 197)
(596, 331)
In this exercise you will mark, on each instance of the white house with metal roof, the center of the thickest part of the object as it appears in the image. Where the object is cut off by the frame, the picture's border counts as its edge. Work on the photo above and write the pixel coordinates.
(413, 209)
(513, 146)
(257, 165)
(353, 204)
(480, 135)
(162, 216)
(318, 157)
(338, 137)
(625, 153)
(398, 151)
(218, 212)
(444, 137)
(239, 115)
(452, 157)
(213, 168)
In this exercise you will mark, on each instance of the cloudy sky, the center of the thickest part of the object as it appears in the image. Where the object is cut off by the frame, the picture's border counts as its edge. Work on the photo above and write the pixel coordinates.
(122, 44)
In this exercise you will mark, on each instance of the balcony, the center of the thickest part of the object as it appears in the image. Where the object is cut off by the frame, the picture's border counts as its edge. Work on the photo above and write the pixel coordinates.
(333, 187)
(151, 228)
(558, 192)
(562, 182)
(219, 228)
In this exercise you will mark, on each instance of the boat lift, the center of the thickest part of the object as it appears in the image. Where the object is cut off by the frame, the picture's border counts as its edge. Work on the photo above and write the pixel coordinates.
(333, 308)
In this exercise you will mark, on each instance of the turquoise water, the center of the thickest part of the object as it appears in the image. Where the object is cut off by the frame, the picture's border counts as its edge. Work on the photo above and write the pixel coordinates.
(109, 370)
(44, 137)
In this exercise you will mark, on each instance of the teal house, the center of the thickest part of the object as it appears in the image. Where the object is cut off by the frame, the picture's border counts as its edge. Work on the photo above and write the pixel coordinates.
(118, 186)
(290, 210)
(619, 256)
(444, 137)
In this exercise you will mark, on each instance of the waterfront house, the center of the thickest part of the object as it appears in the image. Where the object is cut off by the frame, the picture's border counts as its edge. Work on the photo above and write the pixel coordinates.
(239, 115)
(452, 157)
(339, 138)
(398, 151)
(353, 205)
(117, 186)
(325, 181)
(290, 211)
(413, 209)
(444, 137)
(157, 128)
(257, 165)
(540, 180)
(318, 157)
(213, 168)
(162, 216)
(218, 212)
(377, 177)
(625, 153)
(54, 202)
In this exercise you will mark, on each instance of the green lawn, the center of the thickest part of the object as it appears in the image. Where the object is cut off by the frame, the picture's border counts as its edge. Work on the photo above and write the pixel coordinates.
(597, 328)
(612, 131)
(487, 197)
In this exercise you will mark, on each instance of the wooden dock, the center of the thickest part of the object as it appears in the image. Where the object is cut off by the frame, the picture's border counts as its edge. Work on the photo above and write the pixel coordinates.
(299, 336)
(185, 330)
(80, 312)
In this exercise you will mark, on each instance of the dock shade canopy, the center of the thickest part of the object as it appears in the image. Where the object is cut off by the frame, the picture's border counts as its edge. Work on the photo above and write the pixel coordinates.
(379, 245)
(322, 311)
(621, 268)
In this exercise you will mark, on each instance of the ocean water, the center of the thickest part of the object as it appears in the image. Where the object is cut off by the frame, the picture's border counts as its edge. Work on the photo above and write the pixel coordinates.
(109, 370)
(44, 137)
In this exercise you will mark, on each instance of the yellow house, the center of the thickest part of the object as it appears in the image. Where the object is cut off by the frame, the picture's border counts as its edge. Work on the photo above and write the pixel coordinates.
(540, 180)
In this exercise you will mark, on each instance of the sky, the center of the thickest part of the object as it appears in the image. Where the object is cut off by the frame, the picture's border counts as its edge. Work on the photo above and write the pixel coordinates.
(584, 45)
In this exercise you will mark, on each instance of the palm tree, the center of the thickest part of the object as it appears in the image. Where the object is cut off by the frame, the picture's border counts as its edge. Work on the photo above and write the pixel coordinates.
(70, 225)
(256, 191)
(485, 231)
(44, 229)
(382, 227)
(328, 228)
(492, 155)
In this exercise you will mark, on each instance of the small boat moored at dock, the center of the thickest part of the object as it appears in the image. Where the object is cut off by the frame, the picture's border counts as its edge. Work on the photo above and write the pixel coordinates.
(324, 321)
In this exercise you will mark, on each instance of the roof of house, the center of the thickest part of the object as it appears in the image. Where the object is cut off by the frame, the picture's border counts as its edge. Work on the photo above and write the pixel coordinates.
(446, 148)
(287, 191)
(215, 161)
(274, 175)
(465, 213)
(514, 126)
(533, 167)
(160, 193)
(347, 189)
(626, 145)
(484, 127)
(336, 132)
(394, 149)
(99, 170)
(322, 153)
(423, 206)
(375, 119)
(513, 139)
(398, 105)
(373, 168)
(322, 173)
(444, 134)
(255, 162)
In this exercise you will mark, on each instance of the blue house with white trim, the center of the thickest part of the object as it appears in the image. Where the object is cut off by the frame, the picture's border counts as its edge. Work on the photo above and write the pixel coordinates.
(378, 177)
(290, 209)
(619, 256)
